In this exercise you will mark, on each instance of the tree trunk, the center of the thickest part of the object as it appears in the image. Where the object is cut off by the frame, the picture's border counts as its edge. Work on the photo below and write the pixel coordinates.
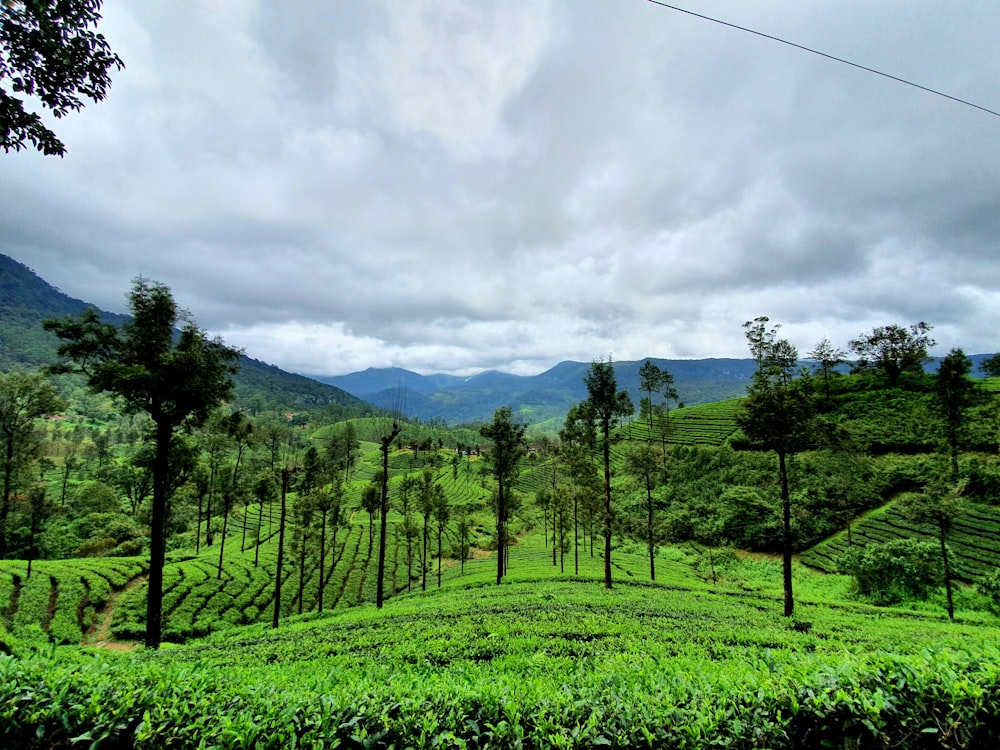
(227, 501)
(562, 542)
(554, 537)
(322, 558)
(197, 534)
(208, 511)
(423, 560)
(576, 534)
(384, 445)
(8, 471)
(157, 542)
(260, 522)
(243, 540)
(649, 526)
(409, 553)
(501, 521)
(302, 570)
(439, 555)
(786, 535)
(947, 575)
(281, 549)
(607, 504)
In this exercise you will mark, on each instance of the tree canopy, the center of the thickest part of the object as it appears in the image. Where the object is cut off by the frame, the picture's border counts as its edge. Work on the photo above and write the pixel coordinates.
(604, 404)
(502, 462)
(50, 56)
(892, 350)
(177, 378)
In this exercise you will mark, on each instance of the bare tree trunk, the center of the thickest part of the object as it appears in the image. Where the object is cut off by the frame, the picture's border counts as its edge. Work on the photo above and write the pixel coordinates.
(576, 534)
(197, 534)
(947, 575)
(384, 445)
(649, 527)
(285, 473)
(157, 541)
(607, 505)
(260, 522)
(439, 555)
(227, 501)
(322, 559)
(786, 535)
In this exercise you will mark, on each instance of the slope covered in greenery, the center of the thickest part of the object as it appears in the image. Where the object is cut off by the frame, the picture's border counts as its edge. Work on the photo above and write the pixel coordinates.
(540, 661)
(26, 300)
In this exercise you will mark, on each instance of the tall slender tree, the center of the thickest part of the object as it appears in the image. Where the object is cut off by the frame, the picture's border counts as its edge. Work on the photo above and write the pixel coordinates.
(654, 380)
(442, 514)
(643, 464)
(777, 414)
(827, 357)
(940, 506)
(328, 499)
(384, 444)
(426, 502)
(955, 391)
(502, 462)
(241, 432)
(24, 398)
(177, 381)
(606, 403)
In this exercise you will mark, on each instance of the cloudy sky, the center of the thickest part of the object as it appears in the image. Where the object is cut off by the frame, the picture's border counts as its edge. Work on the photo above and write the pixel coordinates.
(454, 186)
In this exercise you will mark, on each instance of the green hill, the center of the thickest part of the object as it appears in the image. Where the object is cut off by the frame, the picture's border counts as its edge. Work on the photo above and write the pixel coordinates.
(26, 300)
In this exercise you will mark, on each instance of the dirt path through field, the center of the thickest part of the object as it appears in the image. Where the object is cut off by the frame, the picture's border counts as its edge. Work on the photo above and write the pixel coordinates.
(99, 633)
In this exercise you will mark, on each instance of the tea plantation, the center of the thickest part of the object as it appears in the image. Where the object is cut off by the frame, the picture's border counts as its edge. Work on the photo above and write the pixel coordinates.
(541, 661)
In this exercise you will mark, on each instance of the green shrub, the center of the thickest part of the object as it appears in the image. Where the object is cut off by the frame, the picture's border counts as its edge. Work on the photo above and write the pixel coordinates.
(989, 587)
(894, 571)
(981, 482)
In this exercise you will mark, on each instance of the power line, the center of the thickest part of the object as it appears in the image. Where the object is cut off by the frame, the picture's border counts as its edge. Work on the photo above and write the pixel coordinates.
(824, 54)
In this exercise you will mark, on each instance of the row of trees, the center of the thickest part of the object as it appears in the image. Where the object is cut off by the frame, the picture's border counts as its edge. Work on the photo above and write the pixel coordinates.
(177, 383)
(782, 414)
(786, 412)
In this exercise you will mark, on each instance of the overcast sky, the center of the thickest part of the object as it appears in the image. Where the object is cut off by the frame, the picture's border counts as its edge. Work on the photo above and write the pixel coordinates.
(454, 186)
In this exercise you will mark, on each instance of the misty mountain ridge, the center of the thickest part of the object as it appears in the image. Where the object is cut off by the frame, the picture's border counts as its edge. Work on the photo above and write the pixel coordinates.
(535, 398)
(550, 394)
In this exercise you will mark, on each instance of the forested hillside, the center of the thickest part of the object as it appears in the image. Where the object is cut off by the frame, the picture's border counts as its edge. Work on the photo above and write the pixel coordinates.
(26, 300)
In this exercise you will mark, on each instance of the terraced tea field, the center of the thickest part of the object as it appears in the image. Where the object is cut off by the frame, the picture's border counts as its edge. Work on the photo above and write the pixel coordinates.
(541, 661)
(973, 539)
(704, 424)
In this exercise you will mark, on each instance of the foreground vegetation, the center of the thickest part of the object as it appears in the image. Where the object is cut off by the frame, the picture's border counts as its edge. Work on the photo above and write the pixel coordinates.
(538, 661)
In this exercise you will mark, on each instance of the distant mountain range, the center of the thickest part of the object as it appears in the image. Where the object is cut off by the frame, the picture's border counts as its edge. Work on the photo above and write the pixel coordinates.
(549, 395)
(26, 300)
(535, 398)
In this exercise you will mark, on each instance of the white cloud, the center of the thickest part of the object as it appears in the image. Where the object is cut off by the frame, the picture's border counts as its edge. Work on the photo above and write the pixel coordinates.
(464, 185)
